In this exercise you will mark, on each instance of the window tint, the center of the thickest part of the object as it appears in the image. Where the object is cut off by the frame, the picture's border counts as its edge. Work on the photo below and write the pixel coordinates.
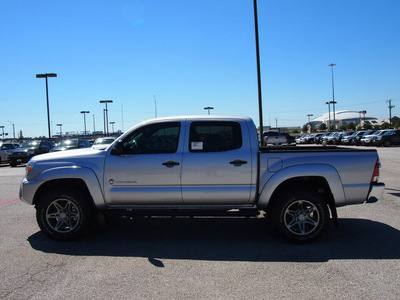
(214, 136)
(153, 139)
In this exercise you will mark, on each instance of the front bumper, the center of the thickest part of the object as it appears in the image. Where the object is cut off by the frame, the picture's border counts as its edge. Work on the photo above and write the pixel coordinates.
(27, 190)
(376, 192)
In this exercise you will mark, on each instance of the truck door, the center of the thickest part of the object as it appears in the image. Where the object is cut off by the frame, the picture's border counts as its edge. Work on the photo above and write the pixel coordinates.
(145, 166)
(217, 166)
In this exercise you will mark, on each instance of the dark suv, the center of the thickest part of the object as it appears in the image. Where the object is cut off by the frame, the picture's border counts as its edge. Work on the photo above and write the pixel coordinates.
(29, 149)
(391, 137)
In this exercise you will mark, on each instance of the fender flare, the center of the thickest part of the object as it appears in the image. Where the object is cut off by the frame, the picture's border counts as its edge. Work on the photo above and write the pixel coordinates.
(329, 173)
(87, 175)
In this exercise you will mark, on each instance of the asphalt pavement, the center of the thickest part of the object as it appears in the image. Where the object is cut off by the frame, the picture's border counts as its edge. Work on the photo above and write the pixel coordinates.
(203, 258)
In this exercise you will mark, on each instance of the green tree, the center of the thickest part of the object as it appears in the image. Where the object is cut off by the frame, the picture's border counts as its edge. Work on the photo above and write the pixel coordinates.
(343, 128)
(351, 126)
(322, 126)
(385, 125)
(295, 130)
(367, 125)
(305, 128)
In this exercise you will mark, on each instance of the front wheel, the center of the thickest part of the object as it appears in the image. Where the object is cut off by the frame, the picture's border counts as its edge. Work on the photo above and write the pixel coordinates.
(301, 217)
(387, 143)
(63, 214)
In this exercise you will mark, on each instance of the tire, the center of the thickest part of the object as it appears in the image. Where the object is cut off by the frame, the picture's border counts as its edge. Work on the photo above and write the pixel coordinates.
(387, 143)
(300, 217)
(64, 214)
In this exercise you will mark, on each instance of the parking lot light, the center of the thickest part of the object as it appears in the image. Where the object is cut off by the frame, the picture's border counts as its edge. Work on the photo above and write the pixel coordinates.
(46, 75)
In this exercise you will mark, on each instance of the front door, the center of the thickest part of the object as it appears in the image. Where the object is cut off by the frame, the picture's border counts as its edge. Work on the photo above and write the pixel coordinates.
(145, 167)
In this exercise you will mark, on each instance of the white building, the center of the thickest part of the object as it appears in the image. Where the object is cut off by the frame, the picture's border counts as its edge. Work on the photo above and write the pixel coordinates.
(343, 117)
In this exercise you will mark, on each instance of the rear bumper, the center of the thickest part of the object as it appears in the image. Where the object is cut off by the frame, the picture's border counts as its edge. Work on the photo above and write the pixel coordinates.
(376, 192)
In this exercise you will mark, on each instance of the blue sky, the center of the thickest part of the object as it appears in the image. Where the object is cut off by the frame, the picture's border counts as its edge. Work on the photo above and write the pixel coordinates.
(192, 54)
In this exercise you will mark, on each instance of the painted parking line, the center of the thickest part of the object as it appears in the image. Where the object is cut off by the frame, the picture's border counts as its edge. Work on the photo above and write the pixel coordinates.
(9, 200)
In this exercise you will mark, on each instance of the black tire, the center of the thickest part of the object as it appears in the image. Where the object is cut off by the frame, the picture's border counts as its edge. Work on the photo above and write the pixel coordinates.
(64, 214)
(387, 143)
(300, 217)
(13, 165)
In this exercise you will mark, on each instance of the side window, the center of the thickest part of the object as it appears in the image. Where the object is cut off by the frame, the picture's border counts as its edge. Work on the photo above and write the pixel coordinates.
(214, 136)
(153, 139)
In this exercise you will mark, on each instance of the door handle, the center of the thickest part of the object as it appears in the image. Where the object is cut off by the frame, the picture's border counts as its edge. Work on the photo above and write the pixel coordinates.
(238, 162)
(170, 163)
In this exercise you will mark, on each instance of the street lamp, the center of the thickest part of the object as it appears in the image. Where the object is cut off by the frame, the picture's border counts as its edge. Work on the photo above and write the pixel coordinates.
(46, 75)
(309, 115)
(112, 124)
(106, 115)
(208, 108)
(333, 98)
(84, 112)
(60, 125)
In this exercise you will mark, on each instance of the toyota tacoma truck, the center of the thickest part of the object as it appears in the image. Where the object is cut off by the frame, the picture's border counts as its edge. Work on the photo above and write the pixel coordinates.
(199, 166)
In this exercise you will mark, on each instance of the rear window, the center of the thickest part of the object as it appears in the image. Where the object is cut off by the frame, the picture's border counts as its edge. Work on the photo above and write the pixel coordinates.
(215, 136)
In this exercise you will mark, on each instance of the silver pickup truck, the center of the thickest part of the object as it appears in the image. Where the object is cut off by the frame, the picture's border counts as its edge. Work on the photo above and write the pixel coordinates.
(199, 166)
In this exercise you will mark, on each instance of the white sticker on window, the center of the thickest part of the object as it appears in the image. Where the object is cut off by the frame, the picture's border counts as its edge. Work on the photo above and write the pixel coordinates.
(197, 146)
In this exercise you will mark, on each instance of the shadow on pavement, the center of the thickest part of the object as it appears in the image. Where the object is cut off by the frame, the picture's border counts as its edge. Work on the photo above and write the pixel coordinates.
(226, 239)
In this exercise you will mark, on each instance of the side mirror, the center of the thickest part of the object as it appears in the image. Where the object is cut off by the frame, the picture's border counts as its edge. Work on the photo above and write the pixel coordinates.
(118, 148)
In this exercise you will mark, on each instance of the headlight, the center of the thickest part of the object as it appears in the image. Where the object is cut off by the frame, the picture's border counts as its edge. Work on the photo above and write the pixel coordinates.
(29, 167)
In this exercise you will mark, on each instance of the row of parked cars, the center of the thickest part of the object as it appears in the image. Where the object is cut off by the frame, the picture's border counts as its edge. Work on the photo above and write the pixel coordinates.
(386, 138)
(15, 154)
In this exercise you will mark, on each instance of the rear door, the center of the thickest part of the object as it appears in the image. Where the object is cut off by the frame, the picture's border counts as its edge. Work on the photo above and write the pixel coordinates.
(217, 166)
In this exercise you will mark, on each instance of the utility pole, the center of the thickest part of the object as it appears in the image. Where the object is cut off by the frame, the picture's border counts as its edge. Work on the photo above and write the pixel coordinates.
(390, 112)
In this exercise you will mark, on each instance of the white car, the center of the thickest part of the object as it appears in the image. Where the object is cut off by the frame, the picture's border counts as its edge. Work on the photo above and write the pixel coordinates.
(103, 143)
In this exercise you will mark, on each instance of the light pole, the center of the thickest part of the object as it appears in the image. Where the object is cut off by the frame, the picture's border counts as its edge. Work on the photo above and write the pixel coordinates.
(309, 115)
(260, 112)
(60, 125)
(333, 98)
(208, 108)
(46, 75)
(106, 115)
(329, 113)
(155, 106)
(390, 112)
(2, 127)
(84, 112)
(112, 126)
(13, 129)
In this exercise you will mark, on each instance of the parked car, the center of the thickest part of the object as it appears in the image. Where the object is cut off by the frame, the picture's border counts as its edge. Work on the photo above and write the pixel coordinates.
(327, 138)
(367, 139)
(337, 140)
(6, 150)
(278, 138)
(357, 139)
(391, 137)
(29, 149)
(103, 143)
(71, 144)
(349, 140)
(319, 138)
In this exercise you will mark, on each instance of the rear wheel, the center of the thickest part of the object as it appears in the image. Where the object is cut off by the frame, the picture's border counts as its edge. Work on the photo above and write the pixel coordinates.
(64, 214)
(300, 217)
(387, 143)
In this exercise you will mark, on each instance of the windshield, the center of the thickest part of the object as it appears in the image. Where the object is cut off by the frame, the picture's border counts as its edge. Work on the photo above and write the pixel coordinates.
(390, 132)
(30, 145)
(68, 143)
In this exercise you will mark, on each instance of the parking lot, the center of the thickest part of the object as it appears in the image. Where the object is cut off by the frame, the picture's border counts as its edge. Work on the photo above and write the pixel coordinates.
(204, 258)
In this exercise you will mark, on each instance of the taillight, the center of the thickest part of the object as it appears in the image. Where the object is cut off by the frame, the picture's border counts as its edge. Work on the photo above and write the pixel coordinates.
(375, 175)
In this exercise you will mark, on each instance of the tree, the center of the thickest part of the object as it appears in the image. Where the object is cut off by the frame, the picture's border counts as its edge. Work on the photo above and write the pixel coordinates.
(367, 125)
(305, 128)
(295, 130)
(385, 125)
(351, 126)
(322, 126)
(396, 122)
(343, 128)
